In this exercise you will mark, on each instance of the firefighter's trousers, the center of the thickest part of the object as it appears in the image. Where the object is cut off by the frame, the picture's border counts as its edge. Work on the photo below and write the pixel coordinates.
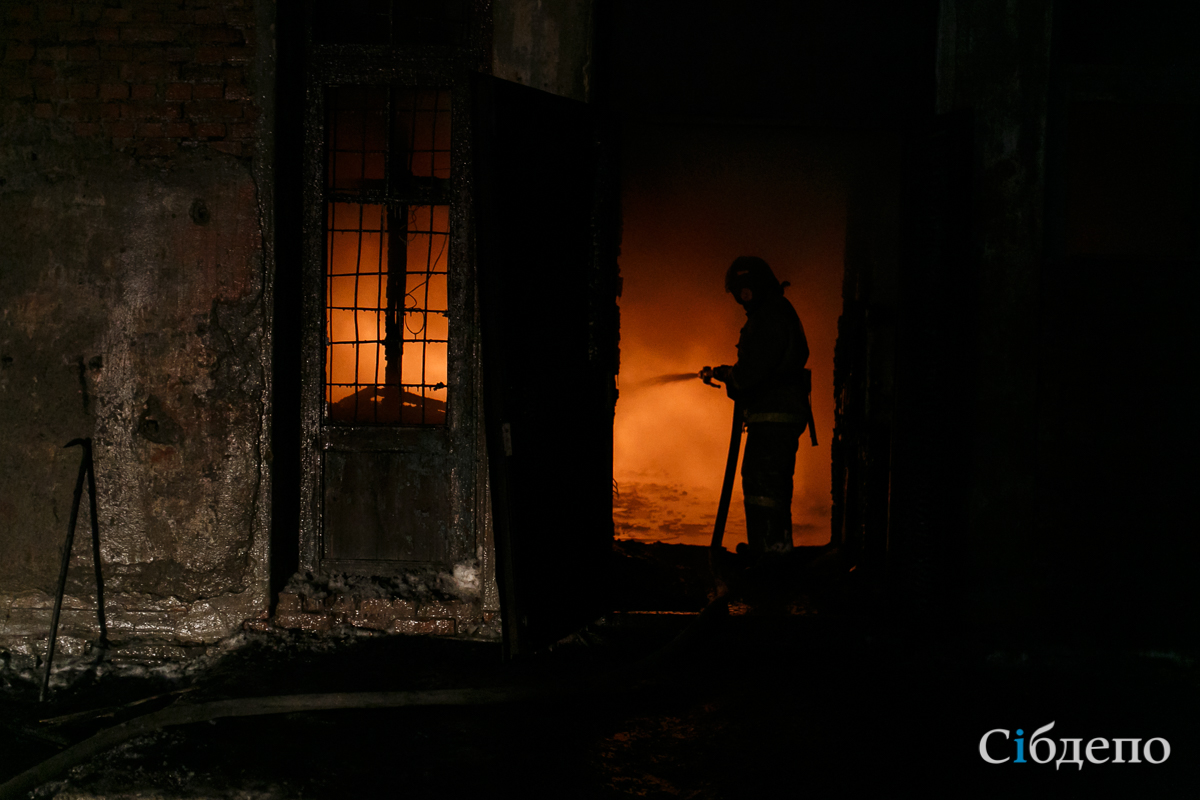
(768, 465)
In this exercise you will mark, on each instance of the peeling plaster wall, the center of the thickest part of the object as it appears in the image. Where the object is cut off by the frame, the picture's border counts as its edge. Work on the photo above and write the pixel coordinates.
(134, 309)
(128, 319)
(546, 44)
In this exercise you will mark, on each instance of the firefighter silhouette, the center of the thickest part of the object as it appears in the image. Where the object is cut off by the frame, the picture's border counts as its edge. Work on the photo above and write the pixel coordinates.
(771, 385)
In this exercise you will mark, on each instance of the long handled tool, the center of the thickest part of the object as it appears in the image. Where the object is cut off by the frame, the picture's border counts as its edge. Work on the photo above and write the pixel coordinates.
(86, 469)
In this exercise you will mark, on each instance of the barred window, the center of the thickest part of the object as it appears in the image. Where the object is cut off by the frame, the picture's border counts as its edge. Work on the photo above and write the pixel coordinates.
(387, 255)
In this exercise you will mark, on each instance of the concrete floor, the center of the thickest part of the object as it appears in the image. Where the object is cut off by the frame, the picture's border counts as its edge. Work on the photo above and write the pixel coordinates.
(787, 701)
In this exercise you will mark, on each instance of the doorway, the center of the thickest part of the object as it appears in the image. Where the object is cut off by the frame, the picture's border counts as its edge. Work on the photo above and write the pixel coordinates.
(694, 197)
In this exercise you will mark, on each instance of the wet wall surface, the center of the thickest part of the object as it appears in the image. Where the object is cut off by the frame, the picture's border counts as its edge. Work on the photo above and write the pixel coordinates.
(132, 313)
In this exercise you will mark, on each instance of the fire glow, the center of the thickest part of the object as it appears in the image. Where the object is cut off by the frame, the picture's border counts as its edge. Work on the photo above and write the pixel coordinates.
(693, 200)
(357, 371)
(387, 312)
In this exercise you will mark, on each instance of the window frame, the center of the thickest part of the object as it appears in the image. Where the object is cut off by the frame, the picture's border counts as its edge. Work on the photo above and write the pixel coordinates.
(457, 439)
(394, 197)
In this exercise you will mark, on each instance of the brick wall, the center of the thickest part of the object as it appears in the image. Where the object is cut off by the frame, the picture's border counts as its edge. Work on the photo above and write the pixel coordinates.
(151, 76)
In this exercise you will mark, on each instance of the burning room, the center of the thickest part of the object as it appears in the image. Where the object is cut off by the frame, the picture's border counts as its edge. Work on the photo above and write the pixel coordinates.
(358, 349)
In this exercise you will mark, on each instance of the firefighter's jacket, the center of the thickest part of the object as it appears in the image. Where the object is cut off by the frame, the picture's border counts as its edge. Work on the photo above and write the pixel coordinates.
(769, 377)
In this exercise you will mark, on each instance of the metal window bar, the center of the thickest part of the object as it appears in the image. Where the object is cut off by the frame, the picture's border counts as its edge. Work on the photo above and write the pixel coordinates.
(383, 143)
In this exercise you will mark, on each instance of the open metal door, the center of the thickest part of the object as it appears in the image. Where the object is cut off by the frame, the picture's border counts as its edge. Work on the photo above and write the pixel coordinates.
(546, 228)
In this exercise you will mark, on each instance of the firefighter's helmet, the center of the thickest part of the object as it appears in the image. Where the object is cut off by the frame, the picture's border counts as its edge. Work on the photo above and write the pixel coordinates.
(753, 273)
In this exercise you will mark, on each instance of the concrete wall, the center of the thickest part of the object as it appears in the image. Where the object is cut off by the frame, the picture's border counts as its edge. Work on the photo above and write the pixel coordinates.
(546, 44)
(995, 62)
(134, 309)
(1079, 523)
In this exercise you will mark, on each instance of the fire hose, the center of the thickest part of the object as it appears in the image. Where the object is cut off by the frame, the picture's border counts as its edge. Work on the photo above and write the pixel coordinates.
(19, 786)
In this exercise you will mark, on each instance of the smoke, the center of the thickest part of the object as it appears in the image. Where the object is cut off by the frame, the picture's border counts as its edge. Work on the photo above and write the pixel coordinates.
(693, 199)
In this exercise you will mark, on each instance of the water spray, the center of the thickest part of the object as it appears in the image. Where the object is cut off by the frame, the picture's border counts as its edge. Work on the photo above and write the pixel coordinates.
(705, 375)
(674, 377)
